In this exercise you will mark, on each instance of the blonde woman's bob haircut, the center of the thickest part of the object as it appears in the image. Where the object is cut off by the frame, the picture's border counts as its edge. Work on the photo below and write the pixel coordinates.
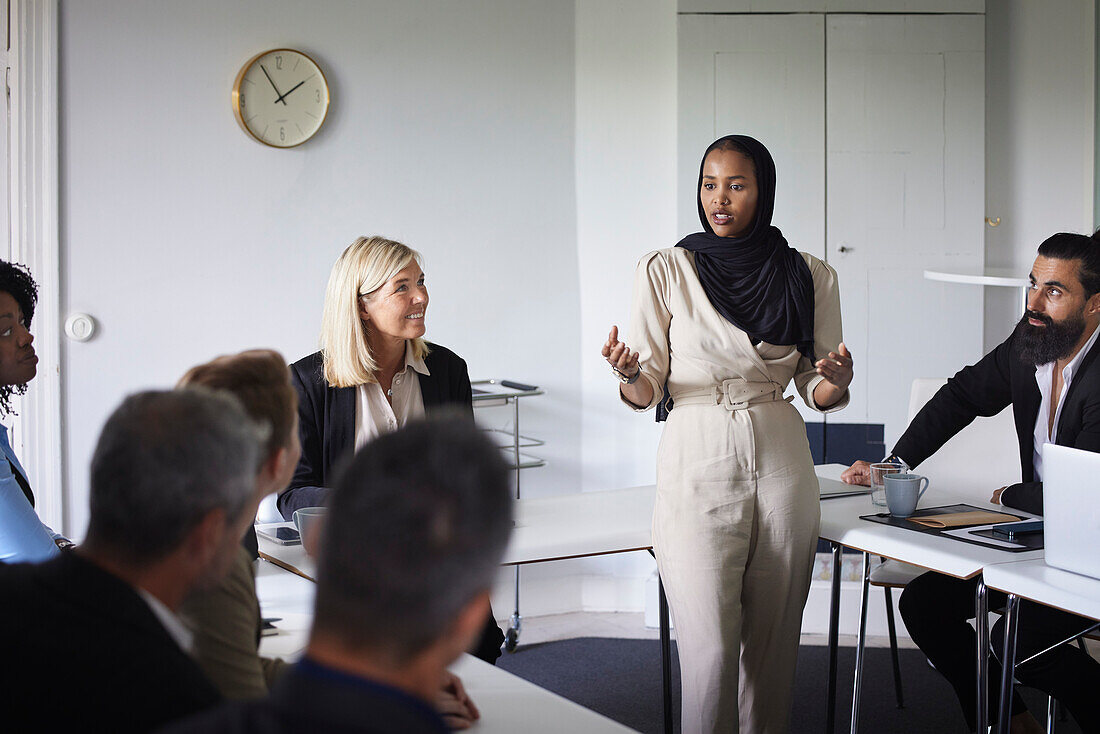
(364, 267)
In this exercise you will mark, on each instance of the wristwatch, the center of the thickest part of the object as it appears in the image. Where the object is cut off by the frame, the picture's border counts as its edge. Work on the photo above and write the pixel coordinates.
(625, 379)
(895, 459)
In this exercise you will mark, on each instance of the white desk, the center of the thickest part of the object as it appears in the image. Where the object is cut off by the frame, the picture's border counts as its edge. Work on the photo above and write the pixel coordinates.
(552, 529)
(582, 524)
(293, 558)
(507, 703)
(840, 524)
(547, 529)
(1037, 582)
(289, 598)
(1053, 587)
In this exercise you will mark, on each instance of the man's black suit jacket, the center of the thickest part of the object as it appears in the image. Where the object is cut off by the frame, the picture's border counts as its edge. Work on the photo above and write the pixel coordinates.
(1001, 378)
(83, 652)
(326, 419)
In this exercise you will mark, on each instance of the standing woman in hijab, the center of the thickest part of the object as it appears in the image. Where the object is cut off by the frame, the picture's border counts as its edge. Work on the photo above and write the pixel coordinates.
(722, 323)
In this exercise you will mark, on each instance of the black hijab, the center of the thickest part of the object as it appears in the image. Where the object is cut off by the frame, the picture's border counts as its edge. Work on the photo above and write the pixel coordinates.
(758, 282)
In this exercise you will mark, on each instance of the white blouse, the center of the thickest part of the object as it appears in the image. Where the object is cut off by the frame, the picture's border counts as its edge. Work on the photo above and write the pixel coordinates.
(375, 416)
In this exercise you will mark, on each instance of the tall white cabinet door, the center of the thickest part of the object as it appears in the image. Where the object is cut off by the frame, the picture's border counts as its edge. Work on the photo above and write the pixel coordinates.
(764, 76)
(758, 75)
(905, 181)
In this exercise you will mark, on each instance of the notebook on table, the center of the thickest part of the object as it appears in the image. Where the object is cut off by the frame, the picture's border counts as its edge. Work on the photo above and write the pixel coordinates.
(1071, 509)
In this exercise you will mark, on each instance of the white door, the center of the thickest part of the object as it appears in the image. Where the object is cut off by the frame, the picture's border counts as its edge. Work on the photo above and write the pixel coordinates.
(905, 181)
(764, 76)
(898, 103)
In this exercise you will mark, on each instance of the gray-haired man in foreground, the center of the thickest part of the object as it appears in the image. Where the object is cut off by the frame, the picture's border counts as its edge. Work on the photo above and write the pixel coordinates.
(91, 639)
(416, 528)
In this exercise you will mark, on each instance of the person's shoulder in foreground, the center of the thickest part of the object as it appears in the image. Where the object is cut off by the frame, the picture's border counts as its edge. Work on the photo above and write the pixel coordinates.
(416, 528)
(93, 642)
(87, 653)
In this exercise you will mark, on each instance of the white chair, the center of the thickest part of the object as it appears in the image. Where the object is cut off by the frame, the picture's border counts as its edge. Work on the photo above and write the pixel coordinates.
(268, 510)
(960, 462)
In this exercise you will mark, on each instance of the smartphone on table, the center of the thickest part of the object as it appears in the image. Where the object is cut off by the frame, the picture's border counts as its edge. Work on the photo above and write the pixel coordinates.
(282, 535)
(1013, 530)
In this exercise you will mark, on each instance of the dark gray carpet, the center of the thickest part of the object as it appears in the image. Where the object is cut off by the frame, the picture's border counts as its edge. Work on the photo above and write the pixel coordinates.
(621, 679)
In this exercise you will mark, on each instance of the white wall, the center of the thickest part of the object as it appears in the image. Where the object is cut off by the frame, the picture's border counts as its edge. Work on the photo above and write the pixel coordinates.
(526, 148)
(625, 79)
(451, 128)
(626, 206)
(1040, 128)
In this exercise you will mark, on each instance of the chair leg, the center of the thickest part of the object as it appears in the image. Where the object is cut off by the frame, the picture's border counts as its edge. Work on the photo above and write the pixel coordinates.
(1051, 716)
(893, 646)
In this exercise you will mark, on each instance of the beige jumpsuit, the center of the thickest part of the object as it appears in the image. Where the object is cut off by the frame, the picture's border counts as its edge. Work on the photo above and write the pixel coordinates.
(737, 512)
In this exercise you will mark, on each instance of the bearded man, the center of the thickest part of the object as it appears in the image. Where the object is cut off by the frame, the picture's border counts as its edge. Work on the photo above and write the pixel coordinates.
(1049, 371)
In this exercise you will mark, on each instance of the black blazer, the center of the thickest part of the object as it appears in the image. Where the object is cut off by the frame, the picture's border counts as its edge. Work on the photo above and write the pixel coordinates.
(309, 698)
(326, 419)
(326, 426)
(83, 652)
(1001, 378)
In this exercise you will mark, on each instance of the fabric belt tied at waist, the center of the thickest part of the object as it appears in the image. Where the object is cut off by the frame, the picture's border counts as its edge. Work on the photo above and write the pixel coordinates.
(735, 394)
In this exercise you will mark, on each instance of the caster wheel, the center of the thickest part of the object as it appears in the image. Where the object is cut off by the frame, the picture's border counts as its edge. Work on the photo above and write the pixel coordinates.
(511, 639)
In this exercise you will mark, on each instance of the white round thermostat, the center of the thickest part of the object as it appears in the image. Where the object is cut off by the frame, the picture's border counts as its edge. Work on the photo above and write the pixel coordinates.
(80, 327)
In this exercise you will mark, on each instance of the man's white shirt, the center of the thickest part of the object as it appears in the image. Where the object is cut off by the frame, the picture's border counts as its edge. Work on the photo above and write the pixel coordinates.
(1044, 376)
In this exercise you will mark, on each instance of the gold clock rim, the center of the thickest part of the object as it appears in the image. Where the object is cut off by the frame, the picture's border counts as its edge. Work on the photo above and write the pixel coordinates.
(237, 91)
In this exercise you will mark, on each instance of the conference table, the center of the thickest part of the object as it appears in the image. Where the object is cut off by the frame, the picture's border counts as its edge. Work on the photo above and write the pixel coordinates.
(1035, 581)
(560, 527)
(842, 527)
(546, 529)
(618, 521)
(507, 703)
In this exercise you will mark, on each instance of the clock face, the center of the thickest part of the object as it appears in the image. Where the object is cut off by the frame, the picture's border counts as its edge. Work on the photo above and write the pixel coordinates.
(281, 98)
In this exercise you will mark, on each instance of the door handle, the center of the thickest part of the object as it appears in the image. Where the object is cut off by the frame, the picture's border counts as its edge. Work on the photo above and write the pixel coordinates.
(844, 248)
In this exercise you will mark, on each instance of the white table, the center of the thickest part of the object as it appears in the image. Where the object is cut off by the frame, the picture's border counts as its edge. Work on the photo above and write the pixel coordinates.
(840, 524)
(1037, 582)
(552, 529)
(507, 703)
(581, 524)
(547, 529)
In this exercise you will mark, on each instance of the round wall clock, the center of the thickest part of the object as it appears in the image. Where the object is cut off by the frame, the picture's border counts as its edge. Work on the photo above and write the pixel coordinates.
(281, 97)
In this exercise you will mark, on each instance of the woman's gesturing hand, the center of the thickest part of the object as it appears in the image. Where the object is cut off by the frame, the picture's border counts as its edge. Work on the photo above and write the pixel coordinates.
(618, 354)
(639, 392)
(837, 371)
(837, 367)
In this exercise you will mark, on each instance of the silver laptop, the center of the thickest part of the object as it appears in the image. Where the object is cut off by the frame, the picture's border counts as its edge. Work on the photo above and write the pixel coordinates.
(1071, 509)
(834, 488)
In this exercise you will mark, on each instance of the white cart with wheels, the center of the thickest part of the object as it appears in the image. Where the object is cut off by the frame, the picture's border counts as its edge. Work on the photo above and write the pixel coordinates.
(504, 393)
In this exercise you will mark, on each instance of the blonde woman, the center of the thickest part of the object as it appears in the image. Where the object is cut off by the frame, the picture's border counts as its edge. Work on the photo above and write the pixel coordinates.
(373, 374)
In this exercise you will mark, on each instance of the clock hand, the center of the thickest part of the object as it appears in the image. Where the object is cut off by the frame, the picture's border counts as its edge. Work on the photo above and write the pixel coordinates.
(280, 97)
(284, 95)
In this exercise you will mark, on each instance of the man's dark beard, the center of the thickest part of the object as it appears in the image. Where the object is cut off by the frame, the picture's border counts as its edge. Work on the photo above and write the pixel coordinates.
(1041, 344)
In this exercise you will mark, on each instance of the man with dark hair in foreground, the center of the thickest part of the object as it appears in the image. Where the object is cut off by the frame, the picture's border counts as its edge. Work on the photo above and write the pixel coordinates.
(416, 528)
(1049, 371)
(92, 641)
